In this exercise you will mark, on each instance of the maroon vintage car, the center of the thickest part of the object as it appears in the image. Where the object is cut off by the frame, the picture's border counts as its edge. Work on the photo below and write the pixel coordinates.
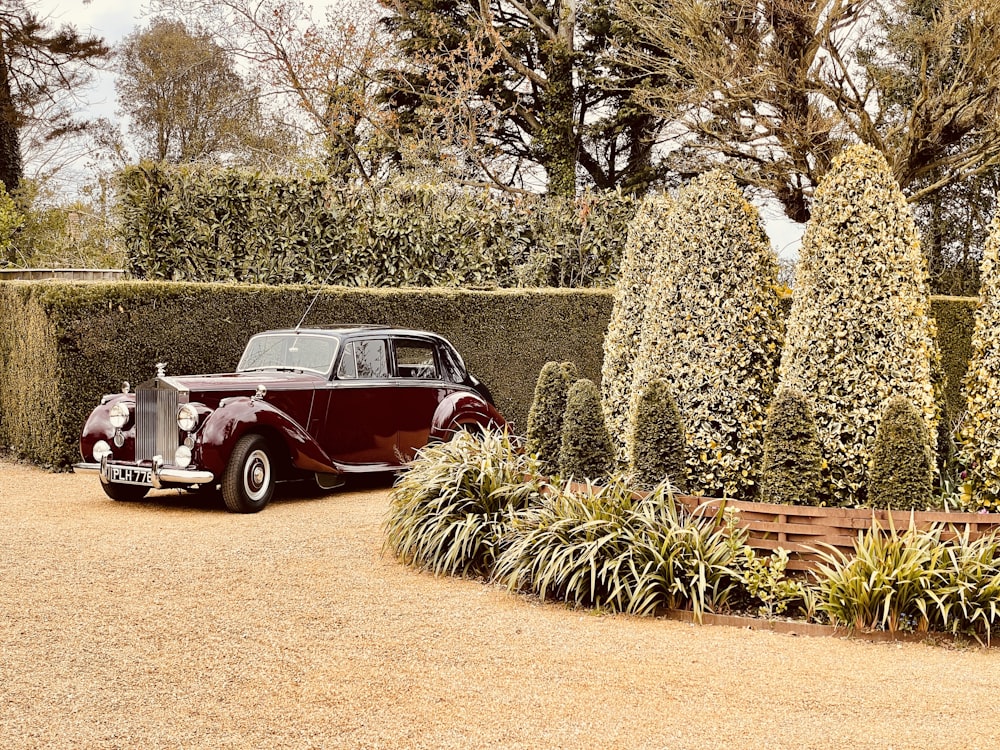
(302, 403)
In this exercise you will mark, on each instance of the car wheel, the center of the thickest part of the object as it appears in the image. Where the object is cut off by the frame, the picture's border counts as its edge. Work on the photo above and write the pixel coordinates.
(124, 493)
(248, 482)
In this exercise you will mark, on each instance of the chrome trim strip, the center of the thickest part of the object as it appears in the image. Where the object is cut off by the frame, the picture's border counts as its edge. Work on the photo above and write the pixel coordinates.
(163, 474)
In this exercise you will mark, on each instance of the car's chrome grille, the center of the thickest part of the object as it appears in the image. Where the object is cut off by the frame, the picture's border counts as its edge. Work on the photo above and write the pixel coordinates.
(156, 421)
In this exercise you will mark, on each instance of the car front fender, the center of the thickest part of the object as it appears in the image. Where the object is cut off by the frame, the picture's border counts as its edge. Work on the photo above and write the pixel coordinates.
(236, 417)
(461, 411)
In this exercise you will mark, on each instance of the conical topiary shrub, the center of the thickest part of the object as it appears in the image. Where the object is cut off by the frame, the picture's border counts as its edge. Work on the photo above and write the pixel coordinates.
(656, 439)
(713, 331)
(585, 452)
(643, 249)
(793, 465)
(859, 330)
(901, 472)
(545, 417)
(979, 436)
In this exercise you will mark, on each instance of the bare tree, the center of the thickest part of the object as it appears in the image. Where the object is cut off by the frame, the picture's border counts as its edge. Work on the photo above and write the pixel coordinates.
(39, 65)
(319, 74)
(778, 87)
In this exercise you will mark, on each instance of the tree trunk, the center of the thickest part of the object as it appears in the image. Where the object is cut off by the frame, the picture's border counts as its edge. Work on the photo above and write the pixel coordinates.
(11, 167)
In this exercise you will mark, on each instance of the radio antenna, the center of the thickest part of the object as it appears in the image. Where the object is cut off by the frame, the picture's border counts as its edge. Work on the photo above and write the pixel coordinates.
(315, 297)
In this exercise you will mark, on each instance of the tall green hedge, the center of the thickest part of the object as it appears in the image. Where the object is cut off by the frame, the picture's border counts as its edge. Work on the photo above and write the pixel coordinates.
(211, 224)
(62, 345)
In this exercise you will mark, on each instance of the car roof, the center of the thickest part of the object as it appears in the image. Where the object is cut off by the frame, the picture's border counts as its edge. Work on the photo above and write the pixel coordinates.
(350, 329)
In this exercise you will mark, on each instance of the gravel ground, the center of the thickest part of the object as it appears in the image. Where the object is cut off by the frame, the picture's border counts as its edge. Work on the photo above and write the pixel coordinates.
(170, 623)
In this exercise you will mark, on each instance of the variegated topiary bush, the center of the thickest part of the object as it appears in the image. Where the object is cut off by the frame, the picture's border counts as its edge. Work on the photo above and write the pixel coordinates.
(585, 452)
(979, 436)
(859, 330)
(656, 439)
(545, 418)
(901, 474)
(642, 249)
(713, 331)
(793, 465)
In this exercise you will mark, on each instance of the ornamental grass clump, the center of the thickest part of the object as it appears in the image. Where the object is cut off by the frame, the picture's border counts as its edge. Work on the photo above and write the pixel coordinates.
(585, 449)
(920, 580)
(656, 439)
(859, 330)
(604, 547)
(713, 331)
(621, 343)
(548, 407)
(886, 584)
(793, 465)
(979, 436)
(901, 475)
(447, 511)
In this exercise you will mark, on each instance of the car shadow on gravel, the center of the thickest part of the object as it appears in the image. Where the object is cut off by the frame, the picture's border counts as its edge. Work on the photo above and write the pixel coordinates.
(284, 493)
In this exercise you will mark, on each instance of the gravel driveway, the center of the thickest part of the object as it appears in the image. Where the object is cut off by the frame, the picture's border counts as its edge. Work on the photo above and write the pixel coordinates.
(171, 624)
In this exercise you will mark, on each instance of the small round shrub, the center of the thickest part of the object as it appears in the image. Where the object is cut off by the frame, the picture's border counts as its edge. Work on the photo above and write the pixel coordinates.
(979, 436)
(585, 450)
(621, 343)
(545, 418)
(860, 329)
(793, 464)
(713, 331)
(901, 474)
(656, 442)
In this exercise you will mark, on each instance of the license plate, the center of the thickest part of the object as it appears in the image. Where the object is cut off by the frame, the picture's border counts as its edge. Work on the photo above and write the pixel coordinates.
(130, 475)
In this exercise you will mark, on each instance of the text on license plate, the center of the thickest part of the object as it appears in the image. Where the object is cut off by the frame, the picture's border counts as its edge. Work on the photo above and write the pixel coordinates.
(130, 475)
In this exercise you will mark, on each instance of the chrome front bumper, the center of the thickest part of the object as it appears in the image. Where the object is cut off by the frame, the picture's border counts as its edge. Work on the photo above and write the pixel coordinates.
(160, 475)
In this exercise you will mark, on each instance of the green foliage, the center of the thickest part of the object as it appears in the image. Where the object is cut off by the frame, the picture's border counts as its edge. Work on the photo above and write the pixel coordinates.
(713, 331)
(656, 443)
(447, 512)
(859, 329)
(548, 409)
(793, 465)
(585, 450)
(980, 431)
(603, 547)
(621, 343)
(766, 583)
(885, 585)
(11, 220)
(914, 581)
(208, 224)
(902, 461)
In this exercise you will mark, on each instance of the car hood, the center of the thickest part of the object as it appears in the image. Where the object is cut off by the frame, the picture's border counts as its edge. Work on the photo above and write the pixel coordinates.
(230, 384)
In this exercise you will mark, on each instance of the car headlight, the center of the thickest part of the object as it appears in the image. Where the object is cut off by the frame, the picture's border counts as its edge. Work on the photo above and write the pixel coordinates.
(182, 457)
(187, 418)
(101, 451)
(119, 415)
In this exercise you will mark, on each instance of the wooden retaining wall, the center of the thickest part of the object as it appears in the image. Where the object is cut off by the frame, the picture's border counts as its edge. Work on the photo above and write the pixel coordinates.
(799, 529)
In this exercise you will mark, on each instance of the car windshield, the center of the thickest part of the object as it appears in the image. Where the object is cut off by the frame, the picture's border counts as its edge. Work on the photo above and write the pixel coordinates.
(289, 351)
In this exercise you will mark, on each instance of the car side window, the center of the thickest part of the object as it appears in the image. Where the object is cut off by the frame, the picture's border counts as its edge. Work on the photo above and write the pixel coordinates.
(415, 359)
(364, 359)
(452, 370)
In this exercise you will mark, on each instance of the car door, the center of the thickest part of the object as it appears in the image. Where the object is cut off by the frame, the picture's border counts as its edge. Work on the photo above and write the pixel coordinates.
(420, 388)
(360, 422)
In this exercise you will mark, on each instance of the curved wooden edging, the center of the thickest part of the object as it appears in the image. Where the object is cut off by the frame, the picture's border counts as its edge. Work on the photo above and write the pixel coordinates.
(815, 630)
(799, 529)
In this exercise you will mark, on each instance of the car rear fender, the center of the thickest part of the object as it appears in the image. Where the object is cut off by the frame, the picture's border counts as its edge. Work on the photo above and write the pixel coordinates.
(238, 416)
(463, 410)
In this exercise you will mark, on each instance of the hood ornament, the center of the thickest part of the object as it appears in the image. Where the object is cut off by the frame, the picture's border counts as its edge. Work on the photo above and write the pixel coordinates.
(261, 392)
(161, 369)
(126, 387)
